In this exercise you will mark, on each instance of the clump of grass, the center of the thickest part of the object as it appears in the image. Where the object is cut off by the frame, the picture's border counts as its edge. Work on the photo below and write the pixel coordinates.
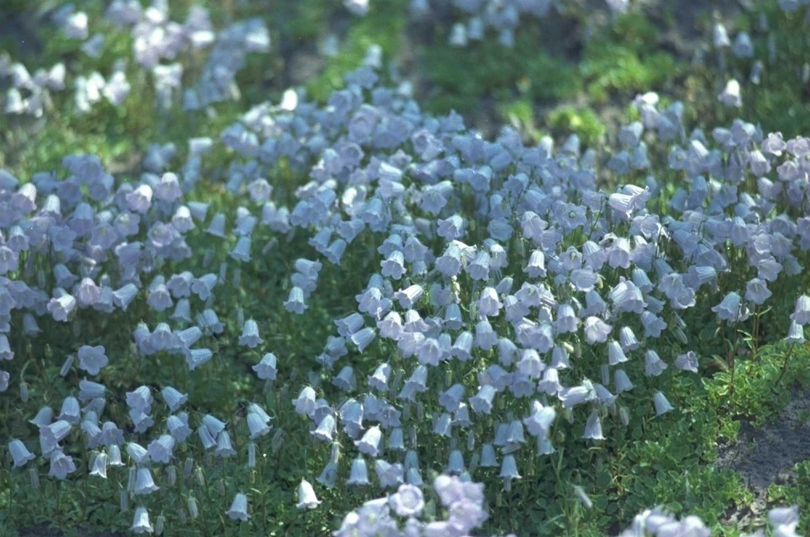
(382, 26)
(584, 122)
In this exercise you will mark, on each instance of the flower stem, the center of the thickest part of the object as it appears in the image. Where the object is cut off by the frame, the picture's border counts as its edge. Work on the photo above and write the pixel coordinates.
(784, 366)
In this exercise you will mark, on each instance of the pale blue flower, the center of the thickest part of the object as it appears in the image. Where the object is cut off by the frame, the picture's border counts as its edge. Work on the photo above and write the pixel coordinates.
(19, 453)
(371, 442)
(593, 427)
(359, 473)
(509, 468)
(61, 464)
(92, 359)
(266, 368)
(795, 333)
(250, 334)
(390, 475)
(757, 291)
(239, 508)
(661, 404)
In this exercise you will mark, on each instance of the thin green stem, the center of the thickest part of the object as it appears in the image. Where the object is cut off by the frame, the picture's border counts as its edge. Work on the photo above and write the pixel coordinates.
(731, 360)
(85, 492)
(56, 493)
(11, 494)
(260, 463)
(784, 366)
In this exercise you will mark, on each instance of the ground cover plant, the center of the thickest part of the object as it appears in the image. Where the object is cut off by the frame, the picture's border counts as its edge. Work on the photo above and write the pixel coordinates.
(258, 275)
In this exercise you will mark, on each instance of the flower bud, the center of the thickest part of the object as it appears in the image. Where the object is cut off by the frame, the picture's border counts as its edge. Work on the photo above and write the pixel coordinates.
(132, 478)
(624, 416)
(199, 477)
(159, 523)
(208, 258)
(277, 441)
(680, 335)
(188, 468)
(123, 500)
(475, 460)
(24, 391)
(30, 266)
(520, 248)
(34, 475)
(192, 507)
(762, 22)
(171, 474)
(251, 455)
(272, 243)
(283, 392)
(473, 309)
(397, 382)
(67, 365)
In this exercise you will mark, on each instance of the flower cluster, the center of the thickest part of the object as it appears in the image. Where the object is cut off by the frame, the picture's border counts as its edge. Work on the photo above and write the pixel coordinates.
(658, 523)
(399, 513)
(509, 299)
(383, 167)
(502, 17)
(481, 16)
(158, 45)
(495, 259)
(69, 245)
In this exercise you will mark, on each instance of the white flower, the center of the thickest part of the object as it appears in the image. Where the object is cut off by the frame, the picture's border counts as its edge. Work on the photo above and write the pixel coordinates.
(140, 522)
(306, 496)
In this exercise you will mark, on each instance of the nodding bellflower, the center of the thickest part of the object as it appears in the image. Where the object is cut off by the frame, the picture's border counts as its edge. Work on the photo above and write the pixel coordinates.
(239, 508)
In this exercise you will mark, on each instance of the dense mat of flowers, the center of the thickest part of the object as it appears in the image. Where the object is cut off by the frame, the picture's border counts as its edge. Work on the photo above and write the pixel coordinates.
(511, 296)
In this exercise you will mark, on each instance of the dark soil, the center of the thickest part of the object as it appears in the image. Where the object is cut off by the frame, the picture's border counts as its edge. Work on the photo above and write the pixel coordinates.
(766, 456)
